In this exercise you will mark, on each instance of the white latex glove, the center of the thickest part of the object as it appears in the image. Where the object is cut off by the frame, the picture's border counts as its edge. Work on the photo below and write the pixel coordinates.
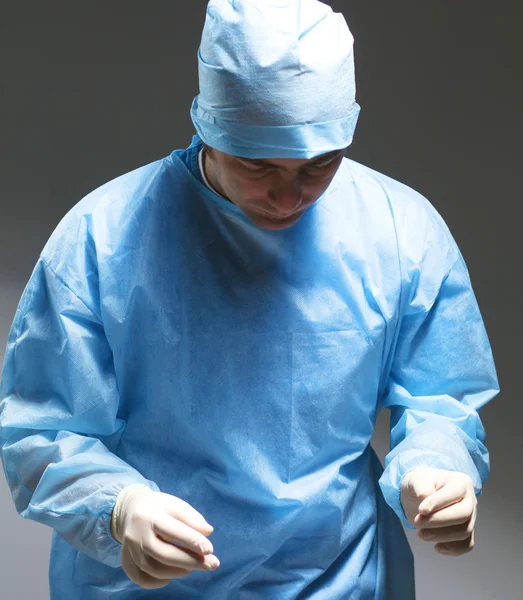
(147, 523)
(443, 506)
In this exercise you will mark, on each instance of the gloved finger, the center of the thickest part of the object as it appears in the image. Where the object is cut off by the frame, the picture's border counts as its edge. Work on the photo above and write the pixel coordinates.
(173, 556)
(450, 493)
(152, 567)
(448, 534)
(173, 530)
(453, 515)
(137, 575)
(456, 548)
(184, 512)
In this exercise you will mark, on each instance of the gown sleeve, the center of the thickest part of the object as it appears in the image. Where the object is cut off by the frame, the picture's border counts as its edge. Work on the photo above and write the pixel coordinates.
(58, 417)
(442, 372)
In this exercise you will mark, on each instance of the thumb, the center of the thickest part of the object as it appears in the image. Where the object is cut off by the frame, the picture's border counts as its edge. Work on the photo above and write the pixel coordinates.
(420, 483)
(417, 485)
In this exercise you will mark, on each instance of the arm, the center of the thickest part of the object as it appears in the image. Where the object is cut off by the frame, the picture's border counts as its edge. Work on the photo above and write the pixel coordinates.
(58, 418)
(442, 373)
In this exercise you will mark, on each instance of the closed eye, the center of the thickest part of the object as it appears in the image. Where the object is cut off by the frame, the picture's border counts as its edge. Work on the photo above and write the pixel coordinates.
(265, 169)
(255, 169)
(321, 165)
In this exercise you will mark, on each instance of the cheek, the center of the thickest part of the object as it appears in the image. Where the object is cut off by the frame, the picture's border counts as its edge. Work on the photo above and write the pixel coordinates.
(251, 191)
(236, 188)
(319, 185)
(314, 187)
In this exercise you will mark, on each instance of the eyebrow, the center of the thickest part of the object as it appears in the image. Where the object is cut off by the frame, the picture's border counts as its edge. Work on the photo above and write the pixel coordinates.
(318, 159)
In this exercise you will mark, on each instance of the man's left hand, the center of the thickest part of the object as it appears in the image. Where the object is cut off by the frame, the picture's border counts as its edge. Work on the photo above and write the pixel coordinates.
(444, 504)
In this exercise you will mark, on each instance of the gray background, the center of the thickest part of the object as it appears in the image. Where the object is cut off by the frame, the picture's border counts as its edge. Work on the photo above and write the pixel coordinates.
(93, 90)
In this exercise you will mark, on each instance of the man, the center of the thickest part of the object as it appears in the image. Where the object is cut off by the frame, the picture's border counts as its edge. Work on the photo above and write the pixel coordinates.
(209, 339)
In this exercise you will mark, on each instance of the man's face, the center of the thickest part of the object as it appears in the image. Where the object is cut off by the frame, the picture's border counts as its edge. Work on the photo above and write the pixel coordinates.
(274, 193)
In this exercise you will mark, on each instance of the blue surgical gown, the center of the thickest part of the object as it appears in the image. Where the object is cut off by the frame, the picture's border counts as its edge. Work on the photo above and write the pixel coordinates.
(164, 338)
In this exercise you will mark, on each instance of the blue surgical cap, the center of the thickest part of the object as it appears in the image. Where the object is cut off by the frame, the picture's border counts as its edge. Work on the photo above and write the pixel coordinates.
(276, 79)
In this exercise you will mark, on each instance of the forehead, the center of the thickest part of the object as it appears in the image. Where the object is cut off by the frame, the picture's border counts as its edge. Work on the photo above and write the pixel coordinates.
(291, 162)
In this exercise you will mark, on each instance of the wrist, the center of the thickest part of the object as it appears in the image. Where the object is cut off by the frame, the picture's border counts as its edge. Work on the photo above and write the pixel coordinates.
(120, 505)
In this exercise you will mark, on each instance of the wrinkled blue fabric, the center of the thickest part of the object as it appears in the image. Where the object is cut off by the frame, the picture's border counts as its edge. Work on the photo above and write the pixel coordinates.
(164, 338)
(276, 79)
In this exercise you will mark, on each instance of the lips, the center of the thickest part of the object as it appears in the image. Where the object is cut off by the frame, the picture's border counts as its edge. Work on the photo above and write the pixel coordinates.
(278, 218)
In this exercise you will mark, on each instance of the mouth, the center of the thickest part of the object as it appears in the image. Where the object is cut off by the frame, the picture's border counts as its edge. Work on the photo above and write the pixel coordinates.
(276, 218)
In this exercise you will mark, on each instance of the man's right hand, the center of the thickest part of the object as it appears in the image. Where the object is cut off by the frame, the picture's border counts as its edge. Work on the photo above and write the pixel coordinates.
(147, 524)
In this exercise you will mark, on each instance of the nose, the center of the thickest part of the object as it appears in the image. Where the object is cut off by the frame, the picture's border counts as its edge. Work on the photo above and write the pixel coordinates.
(286, 198)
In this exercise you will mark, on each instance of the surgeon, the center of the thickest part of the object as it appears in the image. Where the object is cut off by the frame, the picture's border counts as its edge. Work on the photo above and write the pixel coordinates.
(194, 372)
